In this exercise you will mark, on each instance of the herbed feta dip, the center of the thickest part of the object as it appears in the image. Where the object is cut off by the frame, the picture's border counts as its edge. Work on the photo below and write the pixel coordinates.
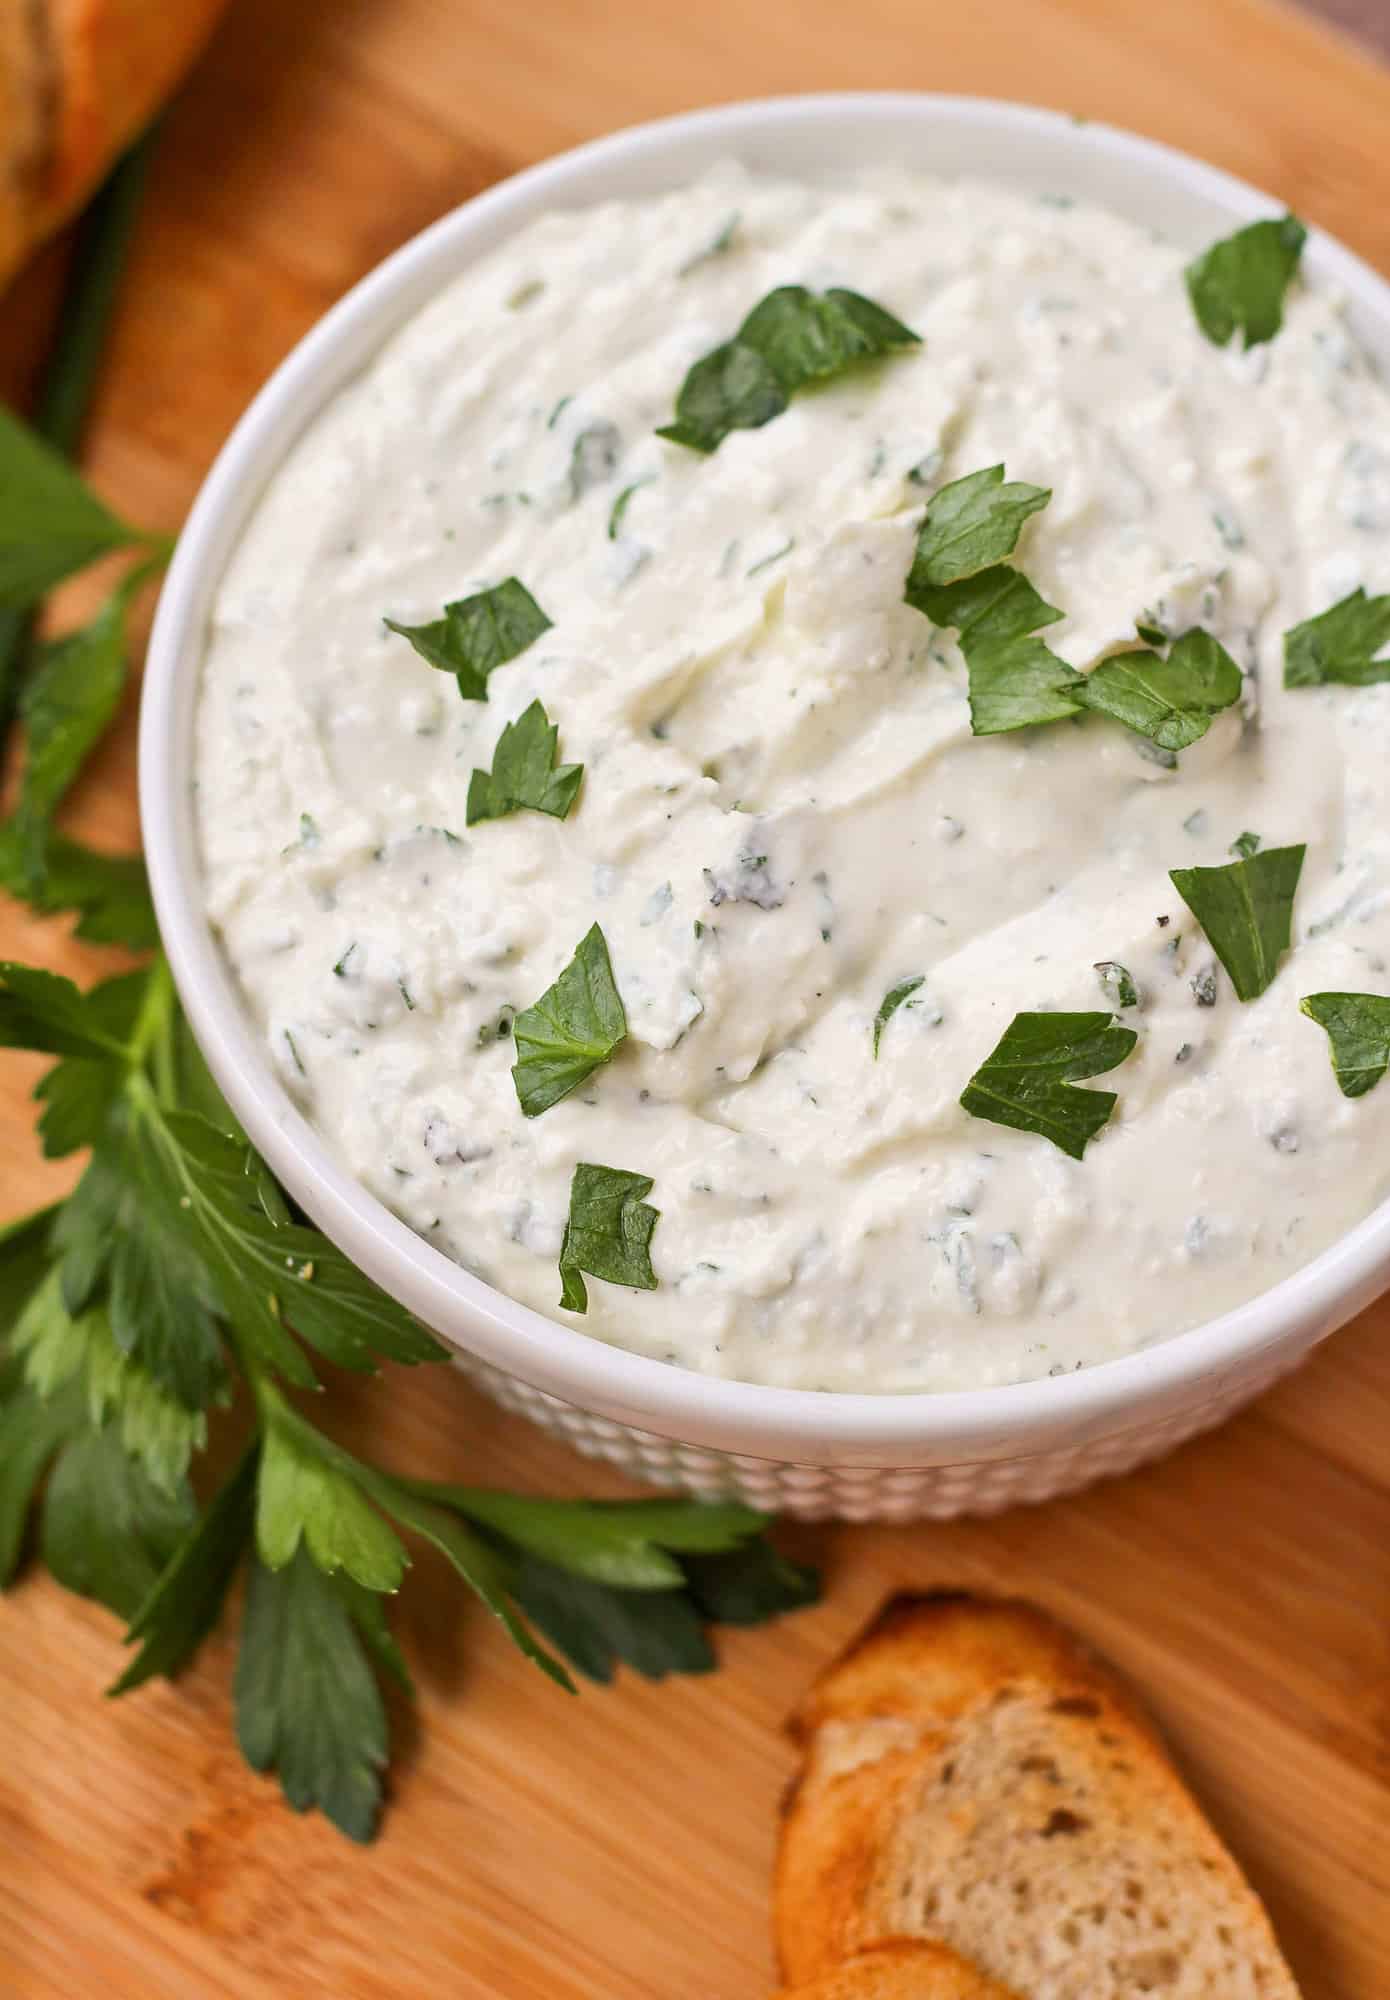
(784, 812)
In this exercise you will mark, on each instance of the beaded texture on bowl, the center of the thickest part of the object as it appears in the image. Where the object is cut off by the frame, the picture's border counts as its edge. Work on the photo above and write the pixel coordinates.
(868, 1493)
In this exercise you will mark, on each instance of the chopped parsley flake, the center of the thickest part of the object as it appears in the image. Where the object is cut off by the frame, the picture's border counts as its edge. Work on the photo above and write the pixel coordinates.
(1117, 983)
(791, 338)
(969, 525)
(478, 634)
(1028, 1080)
(1238, 285)
(576, 1026)
(1341, 644)
(1358, 1030)
(608, 1233)
(890, 1003)
(1171, 701)
(524, 773)
(1246, 910)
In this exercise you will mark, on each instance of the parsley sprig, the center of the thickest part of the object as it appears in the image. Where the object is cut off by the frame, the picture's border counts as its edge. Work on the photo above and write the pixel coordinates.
(178, 1266)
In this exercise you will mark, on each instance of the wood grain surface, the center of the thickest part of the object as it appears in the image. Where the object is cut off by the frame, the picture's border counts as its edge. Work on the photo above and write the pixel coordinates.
(618, 1848)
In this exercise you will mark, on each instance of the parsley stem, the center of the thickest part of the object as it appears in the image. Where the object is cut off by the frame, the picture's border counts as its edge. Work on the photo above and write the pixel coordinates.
(91, 293)
(166, 1081)
(152, 1022)
(66, 391)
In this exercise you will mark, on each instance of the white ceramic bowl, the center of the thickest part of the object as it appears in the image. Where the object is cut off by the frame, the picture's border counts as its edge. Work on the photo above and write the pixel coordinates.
(797, 1451)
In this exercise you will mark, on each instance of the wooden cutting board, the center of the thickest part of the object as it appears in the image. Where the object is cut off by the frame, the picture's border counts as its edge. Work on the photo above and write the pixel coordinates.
(618, 1848)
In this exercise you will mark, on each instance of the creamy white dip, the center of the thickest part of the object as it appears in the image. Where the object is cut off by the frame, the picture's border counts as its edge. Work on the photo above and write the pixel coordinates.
(784, 812)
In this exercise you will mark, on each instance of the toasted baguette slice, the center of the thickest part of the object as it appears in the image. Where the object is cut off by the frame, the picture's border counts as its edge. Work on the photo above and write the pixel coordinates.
(25, 115)
(975, 1777)
(78, 80)
(902, 1969)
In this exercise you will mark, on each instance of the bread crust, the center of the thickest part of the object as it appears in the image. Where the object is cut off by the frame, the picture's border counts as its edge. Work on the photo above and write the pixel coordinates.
(78, 80)
(27, 104)
(924, 1697)
(903, 1969)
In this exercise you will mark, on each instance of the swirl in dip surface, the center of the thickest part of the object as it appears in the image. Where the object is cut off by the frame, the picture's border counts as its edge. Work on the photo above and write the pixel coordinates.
(784, 812)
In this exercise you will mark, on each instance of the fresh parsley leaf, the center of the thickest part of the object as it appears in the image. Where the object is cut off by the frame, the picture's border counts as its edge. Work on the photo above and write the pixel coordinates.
(608, 1233)
(1358, 1028)
(627, 1544)
(59, 1348)
(749, 1585)
(80, 1092)
(368, 1615)
(78, 1097)
(184, 1605)
(309, 1490)
(85, 1230)
(1239, 284)
(594, 1626)
(163, 1311)
(597, 1625)
(969, 525)
(789, 339)
(51, 523)
(1028, 1080)
(270, 1277)
(45, 1012)
(1340, 644)
(1170, 700)
(890, 1003)
(1152, 635)
(26, 1251)
(1017, 684)
(1117, 983)
(312, 1491)
(1246, 910)
(478, 634)
(307, 1702)
(733, 388)
(577, 1025)
(524, 772)
(997, 604)
(107, 1529)
(475, 1560)
(1245, 844)
(1015, 681)
(67, 704)
(31, 1431)
(109, 892)
(117, 1240)
(808, 337)
(195, 1090)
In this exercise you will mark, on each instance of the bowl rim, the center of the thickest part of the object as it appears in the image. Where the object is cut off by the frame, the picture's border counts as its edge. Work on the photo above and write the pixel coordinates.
(671, 1401)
